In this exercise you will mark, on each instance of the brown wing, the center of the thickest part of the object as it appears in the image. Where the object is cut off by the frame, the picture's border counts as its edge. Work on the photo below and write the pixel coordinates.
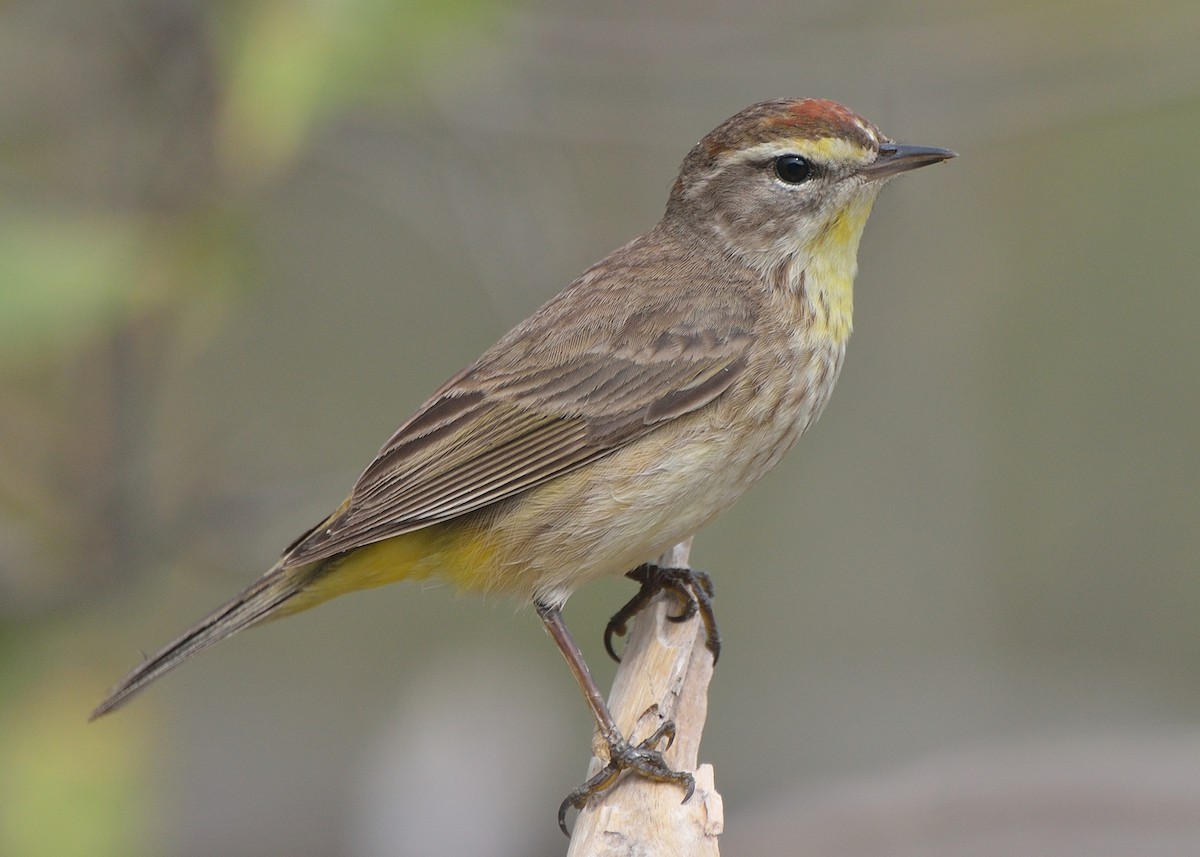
(499, 428)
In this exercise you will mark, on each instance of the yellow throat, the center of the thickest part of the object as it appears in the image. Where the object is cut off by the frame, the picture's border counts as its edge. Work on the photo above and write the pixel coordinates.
(833, 262)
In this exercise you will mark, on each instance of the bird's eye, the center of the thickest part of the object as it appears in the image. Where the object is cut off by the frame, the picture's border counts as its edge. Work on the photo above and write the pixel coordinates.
(793, 169)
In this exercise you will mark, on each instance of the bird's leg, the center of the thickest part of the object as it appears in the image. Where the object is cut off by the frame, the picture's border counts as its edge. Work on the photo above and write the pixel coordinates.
(645, 758)
(693, 588)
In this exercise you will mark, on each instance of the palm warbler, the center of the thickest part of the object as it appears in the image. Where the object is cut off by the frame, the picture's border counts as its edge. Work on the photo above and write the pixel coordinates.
(627, 412)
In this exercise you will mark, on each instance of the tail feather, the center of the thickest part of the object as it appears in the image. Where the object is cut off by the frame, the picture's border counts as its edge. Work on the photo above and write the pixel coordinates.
(250, 607)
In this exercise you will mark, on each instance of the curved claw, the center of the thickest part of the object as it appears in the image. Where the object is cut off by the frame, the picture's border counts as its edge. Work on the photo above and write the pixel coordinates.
(690, 790)
(617, 628)
(562, 817)
(665, 730)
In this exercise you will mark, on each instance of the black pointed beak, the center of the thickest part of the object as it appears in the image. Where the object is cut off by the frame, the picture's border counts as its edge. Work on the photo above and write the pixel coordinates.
(895, 158)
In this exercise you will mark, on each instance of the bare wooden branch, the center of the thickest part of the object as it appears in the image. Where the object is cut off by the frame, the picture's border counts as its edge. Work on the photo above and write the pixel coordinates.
(665, 664)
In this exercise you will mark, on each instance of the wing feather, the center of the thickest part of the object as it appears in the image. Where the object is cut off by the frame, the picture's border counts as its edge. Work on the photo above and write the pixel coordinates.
(498, 428)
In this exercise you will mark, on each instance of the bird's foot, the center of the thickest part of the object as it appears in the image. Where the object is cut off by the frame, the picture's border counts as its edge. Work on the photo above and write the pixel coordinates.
(693, 588)
(644, 759)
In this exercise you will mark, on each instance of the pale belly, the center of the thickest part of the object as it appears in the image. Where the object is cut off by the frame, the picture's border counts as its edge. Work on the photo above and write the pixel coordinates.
(628, 508)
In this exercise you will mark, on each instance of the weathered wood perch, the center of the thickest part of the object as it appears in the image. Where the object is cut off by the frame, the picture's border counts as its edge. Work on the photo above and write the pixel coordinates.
(665, 664)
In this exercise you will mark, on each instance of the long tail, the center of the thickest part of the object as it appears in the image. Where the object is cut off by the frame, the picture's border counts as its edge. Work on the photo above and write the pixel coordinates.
(251, 606)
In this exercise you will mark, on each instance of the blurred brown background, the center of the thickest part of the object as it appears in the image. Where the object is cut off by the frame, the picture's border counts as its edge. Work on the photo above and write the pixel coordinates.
(240, 242)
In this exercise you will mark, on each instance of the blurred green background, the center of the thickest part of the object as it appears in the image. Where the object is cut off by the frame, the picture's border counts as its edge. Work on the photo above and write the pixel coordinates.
(240, 242)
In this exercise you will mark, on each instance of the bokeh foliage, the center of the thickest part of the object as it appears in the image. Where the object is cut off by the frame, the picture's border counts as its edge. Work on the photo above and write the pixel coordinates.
(138, 142)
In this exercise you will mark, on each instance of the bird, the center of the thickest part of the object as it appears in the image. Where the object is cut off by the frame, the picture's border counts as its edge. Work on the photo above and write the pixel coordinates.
(624, 414)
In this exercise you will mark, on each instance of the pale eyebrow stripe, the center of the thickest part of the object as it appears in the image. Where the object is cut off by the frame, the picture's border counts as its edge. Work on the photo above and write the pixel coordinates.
(821, 149)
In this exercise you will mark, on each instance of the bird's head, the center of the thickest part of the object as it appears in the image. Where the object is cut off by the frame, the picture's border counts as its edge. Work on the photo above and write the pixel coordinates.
(784, 181)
